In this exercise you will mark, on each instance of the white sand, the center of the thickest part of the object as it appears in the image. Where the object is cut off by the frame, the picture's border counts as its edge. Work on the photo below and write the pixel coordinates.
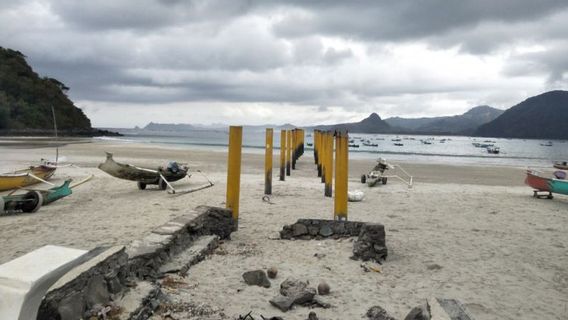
(470, 233)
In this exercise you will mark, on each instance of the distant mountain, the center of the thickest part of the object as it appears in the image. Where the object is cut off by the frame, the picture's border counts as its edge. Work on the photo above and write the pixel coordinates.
(540, 117)
(371, 124)
(168, 127)
(465, 123)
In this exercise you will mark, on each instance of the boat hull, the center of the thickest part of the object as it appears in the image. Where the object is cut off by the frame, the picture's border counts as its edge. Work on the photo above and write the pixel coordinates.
(139, 174)
(546, 184)
(21, 178)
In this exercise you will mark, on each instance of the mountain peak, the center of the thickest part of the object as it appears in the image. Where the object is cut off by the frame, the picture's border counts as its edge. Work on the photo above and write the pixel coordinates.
(374, 116)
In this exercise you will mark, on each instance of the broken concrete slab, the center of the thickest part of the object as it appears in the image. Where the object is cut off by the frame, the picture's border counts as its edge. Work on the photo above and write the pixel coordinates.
(194, 254)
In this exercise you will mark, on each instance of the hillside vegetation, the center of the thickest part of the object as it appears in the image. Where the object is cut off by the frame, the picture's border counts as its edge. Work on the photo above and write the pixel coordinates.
(26, 98)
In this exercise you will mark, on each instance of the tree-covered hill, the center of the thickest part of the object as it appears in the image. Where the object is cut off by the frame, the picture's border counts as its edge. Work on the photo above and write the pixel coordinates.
(26, 99)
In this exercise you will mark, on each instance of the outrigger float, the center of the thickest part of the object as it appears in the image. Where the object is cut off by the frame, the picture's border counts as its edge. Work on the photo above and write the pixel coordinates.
(34, 199)
(161, 175)
(548, 186)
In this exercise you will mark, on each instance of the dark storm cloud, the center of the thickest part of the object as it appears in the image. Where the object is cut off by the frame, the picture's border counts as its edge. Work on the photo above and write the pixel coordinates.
(321, 53)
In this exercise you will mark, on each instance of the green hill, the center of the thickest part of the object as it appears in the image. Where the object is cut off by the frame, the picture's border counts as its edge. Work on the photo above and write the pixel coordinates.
(26, 99)
(540, 117)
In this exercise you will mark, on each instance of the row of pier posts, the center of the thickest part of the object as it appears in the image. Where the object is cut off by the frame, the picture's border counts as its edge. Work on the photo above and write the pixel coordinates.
(326, 145)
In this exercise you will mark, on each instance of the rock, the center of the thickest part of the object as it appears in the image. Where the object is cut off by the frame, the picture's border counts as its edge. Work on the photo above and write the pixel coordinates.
(312, 316)
(325, 230)
(319, 302)
(281, 302)
(371, 244)
(293, 292)
(299, 229)
(256, 278)
(323, 288)
(71, 307)
(97, 292)
(378, 313)
(272, 272)
(418, 313)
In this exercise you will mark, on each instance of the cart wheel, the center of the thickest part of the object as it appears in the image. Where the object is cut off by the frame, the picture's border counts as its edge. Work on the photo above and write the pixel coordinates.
(550, 196)
(141, 185)
(363, 178)
(33, 201)
(385, 180)
(162, 184)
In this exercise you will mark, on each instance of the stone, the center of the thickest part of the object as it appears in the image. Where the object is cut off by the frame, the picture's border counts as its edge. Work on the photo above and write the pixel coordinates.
(71, 307)
(378, 313)
(325, 230)
(371, 244)
(323, 288)
(97, 292)
(281, 302)
(312, 316)
(292, 292)
(272, 272)
(256, 278)
(299, 229)
(418, 313)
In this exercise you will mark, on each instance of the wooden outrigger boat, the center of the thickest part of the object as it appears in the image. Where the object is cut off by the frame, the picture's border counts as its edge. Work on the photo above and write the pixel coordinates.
(161, 176)
(33, 199)
(546, 185)
(26, 177)
(562, 165)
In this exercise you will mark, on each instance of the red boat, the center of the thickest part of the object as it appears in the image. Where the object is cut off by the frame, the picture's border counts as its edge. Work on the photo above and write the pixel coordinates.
(549, 185)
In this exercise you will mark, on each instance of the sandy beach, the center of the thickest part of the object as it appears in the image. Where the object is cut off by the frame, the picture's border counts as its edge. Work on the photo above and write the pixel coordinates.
(473, 233)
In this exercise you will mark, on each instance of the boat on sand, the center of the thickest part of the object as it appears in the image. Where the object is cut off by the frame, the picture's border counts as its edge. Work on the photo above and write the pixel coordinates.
(26, 177)
(160, 175)
(547, 185)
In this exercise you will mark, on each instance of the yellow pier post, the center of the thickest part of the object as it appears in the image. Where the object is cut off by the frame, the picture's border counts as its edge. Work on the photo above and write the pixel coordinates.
(341, 175)
(282, 155)
(323, 155)
(234, 170)
(288, 151)
(268, 162)
(329, 164)
(294, 147)
(315, 143)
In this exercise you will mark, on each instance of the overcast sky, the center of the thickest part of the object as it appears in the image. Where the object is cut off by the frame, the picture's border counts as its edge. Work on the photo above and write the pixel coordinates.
(129, 62)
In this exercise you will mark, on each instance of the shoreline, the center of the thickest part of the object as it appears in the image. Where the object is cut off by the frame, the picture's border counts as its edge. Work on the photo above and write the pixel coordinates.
(471, 233)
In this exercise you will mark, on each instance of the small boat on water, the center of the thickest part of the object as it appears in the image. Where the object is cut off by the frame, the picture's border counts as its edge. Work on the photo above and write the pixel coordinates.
(547, 144)
(562, 165)
(352, 145)
(493, 150)
(26, 177)
(398, 144)
(309, 144)
(425, 142)
(548, 185)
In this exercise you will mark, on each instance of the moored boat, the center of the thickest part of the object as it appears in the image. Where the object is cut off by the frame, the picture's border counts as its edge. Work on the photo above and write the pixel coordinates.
(144, 176)
(542, 184)
(26, 177)
(562, 165)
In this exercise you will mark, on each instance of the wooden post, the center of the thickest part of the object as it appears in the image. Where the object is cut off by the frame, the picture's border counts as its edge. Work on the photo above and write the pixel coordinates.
(288, 151)
(341, 175)
(268, 162)
(294, 147)
(329, 164)
(323, 155)
(282, 155)
(315, 143)
(234, 170)
(320, 134)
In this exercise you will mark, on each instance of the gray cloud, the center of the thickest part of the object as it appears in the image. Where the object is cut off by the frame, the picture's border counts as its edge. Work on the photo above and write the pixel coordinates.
(342, 57)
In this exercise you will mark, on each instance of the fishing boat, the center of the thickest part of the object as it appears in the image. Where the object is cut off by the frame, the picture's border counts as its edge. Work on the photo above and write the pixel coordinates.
(547, 185)
(398, 144)
(26, 177)
(160, 175)
(562, 165)
(352, 145)
(493, 150)
(547, 144)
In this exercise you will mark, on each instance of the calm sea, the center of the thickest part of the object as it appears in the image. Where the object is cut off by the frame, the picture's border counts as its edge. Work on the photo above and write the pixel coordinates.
(437, 149)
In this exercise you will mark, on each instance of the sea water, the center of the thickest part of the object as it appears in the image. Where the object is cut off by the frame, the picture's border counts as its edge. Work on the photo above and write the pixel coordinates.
(441, 149)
